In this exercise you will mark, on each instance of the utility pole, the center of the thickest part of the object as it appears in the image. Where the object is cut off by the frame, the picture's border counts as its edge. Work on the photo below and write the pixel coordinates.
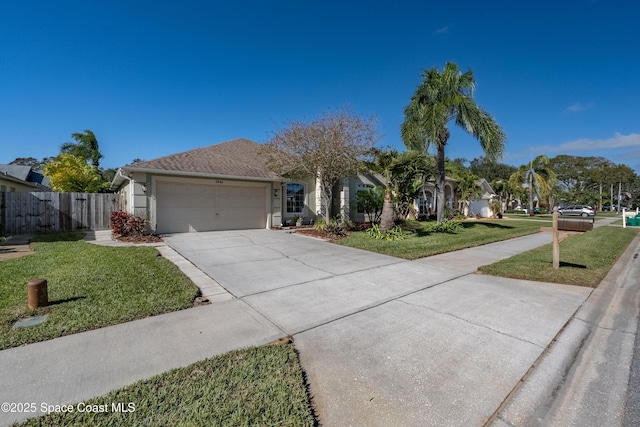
(619, 192)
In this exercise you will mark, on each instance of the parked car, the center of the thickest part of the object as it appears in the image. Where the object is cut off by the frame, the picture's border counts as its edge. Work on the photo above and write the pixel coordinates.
(577, 210)
(521, 209)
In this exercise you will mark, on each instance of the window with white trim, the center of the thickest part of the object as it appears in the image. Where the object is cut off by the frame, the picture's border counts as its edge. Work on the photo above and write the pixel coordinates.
(295, 198)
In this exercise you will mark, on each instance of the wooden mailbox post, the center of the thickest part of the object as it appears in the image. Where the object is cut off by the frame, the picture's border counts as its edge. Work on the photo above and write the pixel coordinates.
(563, 228)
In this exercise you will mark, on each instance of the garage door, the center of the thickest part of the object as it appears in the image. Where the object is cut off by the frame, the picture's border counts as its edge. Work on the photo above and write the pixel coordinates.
(184, 207)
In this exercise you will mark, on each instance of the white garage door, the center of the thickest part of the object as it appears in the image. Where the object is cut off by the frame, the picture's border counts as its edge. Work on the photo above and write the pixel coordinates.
(184, 207)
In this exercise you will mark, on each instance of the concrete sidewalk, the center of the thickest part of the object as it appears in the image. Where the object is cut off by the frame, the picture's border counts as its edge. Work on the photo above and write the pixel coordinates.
(383, 341)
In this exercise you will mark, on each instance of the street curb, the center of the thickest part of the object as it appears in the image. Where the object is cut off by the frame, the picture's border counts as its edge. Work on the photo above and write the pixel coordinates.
(532, 398)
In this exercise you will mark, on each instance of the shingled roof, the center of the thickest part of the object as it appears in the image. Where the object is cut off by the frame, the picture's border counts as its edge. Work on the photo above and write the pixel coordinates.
(238, 158)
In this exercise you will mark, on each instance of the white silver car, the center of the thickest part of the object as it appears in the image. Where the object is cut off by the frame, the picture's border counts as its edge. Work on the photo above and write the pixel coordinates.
(577, 210)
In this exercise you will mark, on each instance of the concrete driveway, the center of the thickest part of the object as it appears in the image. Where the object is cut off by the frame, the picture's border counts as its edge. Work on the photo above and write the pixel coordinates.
(386, 341)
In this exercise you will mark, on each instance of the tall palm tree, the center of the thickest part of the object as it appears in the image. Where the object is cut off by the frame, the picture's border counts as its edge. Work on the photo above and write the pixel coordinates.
(538, 177)
(440, 98)
(86, 146)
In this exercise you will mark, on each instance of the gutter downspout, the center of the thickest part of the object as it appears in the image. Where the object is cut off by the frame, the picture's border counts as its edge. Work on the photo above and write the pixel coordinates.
(132, 188)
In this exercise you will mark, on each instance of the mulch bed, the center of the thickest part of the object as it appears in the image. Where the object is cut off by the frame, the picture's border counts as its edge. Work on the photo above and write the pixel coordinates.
(317, 234)
(150, 238)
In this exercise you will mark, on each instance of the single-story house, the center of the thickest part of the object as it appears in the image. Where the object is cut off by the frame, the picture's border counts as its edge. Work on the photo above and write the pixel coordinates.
(228, 186)
(481, 206)
(426, 203)
(22, 178)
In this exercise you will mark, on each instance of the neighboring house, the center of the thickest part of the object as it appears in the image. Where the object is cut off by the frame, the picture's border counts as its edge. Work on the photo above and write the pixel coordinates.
(425, 204)
(481, 206)
(22, 178)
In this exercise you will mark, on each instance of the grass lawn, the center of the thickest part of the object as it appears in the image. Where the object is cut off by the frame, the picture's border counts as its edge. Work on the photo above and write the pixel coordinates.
(254, 386)
(420, 243)
(584, 258)
(89, 287)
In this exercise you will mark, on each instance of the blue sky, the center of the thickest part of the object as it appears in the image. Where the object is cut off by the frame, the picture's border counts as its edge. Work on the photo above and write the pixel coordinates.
(152, 78)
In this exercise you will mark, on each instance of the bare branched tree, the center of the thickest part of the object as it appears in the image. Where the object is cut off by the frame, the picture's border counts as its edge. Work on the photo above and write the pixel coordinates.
(329, 148)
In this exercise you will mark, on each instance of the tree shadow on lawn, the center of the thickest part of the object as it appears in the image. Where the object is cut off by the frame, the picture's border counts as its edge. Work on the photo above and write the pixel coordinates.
(71, 236)
(472, 224)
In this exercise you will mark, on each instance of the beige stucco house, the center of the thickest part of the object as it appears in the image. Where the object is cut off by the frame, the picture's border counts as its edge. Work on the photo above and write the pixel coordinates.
(21, 178)
(481, 206)
(223, 187)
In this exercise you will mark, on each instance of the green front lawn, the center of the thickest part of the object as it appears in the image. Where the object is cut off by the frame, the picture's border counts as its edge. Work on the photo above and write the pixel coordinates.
(89, 287)
(584, 258)
(255, 386)
(420, 243)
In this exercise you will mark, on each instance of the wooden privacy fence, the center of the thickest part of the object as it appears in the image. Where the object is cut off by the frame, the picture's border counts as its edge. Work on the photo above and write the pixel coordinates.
(49, 212)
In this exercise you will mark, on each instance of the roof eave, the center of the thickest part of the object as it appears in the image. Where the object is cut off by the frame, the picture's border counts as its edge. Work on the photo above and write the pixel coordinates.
(200, 174)
(17, 180)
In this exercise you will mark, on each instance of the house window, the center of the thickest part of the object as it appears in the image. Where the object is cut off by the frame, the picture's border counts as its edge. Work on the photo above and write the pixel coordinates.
(295, 198)
(3, 188)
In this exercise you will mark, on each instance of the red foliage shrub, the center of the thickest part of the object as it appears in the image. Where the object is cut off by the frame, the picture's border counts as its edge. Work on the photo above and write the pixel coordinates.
(118, 221)
(123, 224)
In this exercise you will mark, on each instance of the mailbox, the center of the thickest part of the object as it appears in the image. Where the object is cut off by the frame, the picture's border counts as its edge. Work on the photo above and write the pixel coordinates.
(575, 224)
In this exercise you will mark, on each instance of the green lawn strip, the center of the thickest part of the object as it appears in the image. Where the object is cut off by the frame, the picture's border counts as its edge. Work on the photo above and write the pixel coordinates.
(89, 287)
(254, 386)
(420, 244)
(584, 259)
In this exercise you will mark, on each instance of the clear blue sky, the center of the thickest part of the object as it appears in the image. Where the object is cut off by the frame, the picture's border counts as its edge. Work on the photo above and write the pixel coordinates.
(152, 78)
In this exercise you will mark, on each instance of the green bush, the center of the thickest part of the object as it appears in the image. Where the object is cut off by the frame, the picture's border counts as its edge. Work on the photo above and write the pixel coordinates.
(395, 233)
(336, 228)
(446, 226)
(320, 224)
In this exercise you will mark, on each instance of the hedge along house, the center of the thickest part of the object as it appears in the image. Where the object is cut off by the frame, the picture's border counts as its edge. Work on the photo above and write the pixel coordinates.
(226, 186)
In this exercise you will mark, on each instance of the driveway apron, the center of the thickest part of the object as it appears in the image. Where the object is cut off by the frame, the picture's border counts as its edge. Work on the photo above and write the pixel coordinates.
(386, 341)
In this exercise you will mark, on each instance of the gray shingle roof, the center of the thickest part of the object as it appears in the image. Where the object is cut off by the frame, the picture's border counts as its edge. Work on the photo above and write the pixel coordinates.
(238, 157)
(26, 174)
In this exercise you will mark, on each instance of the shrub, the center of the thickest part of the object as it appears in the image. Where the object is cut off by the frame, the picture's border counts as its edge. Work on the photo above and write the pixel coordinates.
(495, 206)
(394, 233)
(446, 226)
(336, 229)
(123, 224)
(320, 224)
(118, 222)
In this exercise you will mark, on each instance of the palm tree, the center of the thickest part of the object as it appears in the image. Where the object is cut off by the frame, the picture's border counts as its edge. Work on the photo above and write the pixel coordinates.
(404, 175)
(86, 146)
(468, 189)
(383, 165)
(538, 177)
(504, 190)
(440, 98)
